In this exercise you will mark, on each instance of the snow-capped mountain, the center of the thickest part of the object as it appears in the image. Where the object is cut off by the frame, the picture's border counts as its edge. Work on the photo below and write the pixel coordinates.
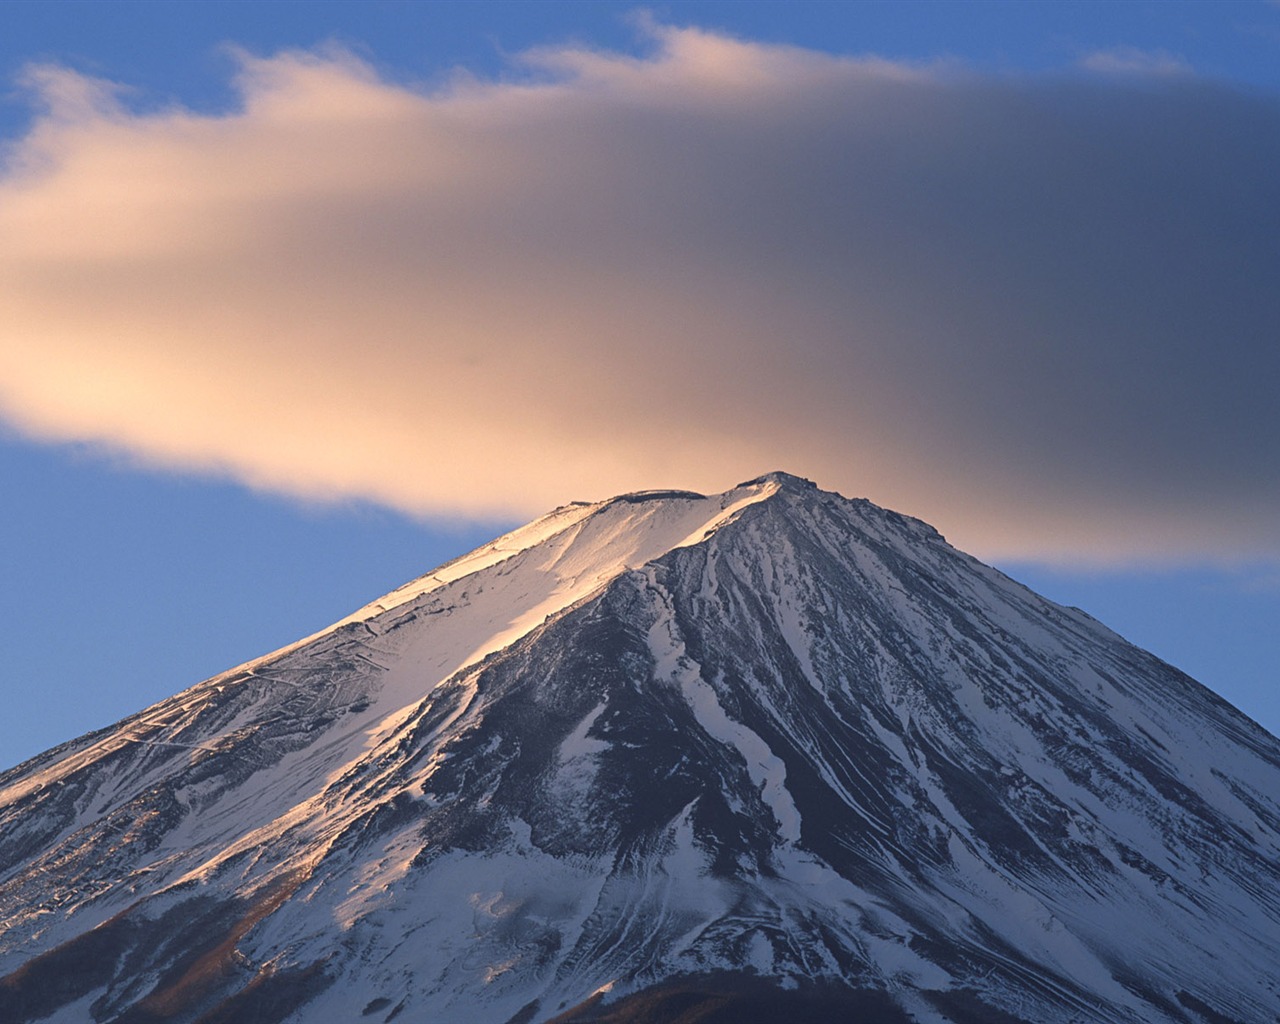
(769, 754)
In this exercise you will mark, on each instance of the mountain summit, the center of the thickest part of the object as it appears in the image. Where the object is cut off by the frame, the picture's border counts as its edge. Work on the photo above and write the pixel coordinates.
(771, 754)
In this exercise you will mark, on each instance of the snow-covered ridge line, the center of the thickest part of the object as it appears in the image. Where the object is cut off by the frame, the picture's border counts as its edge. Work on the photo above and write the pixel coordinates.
(582, 547)
(717, 507)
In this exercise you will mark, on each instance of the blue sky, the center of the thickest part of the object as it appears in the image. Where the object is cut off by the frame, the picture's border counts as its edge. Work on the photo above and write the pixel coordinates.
(181, 495)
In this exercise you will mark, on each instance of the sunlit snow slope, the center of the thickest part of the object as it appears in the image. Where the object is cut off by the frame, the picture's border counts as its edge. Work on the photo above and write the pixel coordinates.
(773, 734)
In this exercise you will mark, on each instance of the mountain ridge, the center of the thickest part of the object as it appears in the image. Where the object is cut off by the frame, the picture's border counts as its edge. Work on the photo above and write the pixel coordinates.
(775, 733)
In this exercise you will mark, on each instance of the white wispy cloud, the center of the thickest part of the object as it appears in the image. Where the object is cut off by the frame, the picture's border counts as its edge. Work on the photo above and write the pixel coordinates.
(1039, 312)
(1129, 60)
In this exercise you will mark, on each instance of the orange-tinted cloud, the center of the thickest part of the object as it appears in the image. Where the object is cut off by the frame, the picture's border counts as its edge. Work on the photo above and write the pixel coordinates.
(1040, 313)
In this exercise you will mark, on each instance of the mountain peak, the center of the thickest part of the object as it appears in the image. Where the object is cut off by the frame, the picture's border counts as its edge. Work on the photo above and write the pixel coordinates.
(771, 745)
(784, 480)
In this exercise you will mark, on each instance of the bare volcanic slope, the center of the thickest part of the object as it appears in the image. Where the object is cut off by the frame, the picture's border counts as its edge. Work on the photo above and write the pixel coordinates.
(772, 754)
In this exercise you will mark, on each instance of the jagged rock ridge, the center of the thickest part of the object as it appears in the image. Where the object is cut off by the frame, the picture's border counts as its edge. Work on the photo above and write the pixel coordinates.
(772, 748)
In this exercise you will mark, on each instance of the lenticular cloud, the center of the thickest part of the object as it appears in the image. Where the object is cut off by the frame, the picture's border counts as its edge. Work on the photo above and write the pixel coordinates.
(1037, 311)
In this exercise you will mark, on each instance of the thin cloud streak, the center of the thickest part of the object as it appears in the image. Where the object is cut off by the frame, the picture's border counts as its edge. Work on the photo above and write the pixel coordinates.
(1039, 312)
(1128, 60)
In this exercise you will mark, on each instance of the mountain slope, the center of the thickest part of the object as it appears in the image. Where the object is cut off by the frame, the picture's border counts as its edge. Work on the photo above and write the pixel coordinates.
(770, 734)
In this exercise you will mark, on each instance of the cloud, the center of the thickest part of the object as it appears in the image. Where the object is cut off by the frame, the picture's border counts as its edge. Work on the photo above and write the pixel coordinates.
(1039, 312)
(1128, 60)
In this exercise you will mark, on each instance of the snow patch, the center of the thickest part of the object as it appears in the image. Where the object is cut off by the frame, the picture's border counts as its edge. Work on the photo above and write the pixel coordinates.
(766, 769)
